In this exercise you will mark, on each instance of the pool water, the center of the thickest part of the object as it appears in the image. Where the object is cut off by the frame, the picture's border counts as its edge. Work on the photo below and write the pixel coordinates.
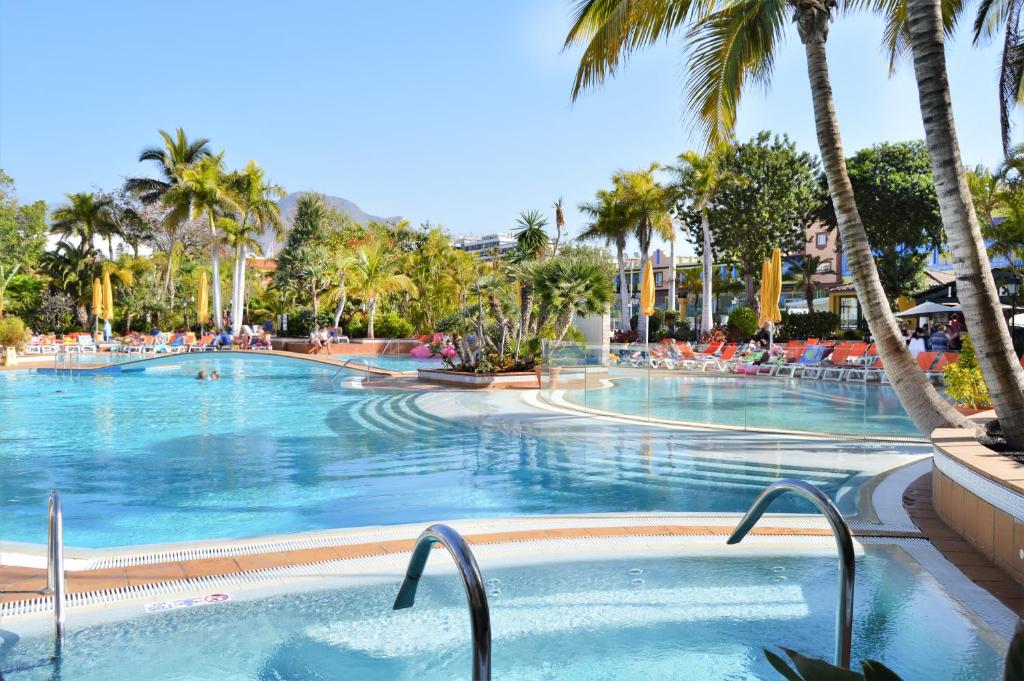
(624, 620)
(753, 402)
(278, 446)
(394, 362)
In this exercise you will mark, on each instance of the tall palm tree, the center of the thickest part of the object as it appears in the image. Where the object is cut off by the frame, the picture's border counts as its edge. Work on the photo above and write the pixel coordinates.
(976, 287)
(531, 245)
(258, 211)
(607, 225)
(647, 206)
(559, 207)
(209, 193)
(1004, 15)
(805, 273)
(376, 272)
(241, 239)
(85, 216)
(698, 179)
(177, 154)
(730, 46)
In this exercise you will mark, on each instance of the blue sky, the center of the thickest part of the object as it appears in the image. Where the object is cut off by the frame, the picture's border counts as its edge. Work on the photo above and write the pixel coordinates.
(456, 112)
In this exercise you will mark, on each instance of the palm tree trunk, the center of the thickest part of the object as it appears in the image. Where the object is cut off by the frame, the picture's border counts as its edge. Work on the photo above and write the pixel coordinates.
(563, 321)
(342, 299)
(645, 245)
(920, 399)
(672, 272)
(809, 294)
(218, 307)
(371, 310)
(620, 256)
(974, 284)
(241, 287)
(526, 308)
(236, 318)
(707, 308)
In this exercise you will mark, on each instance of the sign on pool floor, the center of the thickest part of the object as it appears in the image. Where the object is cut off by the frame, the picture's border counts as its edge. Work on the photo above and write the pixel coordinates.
(164, 606)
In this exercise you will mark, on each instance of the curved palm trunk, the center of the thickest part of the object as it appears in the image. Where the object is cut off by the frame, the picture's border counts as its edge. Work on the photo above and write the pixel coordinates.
(922, 402)
(371, 310)
(707, 308)
(974, 284)
(218, 307)
(563, 321)
(342, 299)
(526, 309)
(620, 256)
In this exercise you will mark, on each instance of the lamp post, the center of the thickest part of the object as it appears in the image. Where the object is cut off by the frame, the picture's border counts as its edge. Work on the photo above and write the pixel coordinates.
(1011, 290)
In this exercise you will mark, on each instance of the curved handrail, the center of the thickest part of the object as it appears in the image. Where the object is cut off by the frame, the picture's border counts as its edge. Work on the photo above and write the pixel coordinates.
(472, 580)
(844, 543)
(55, 580)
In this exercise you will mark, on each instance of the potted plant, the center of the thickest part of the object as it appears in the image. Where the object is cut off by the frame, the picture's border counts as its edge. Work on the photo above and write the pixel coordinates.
(14, 337)
(964, 382)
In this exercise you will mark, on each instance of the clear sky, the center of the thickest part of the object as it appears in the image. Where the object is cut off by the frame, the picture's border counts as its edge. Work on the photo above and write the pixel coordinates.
(456, 112)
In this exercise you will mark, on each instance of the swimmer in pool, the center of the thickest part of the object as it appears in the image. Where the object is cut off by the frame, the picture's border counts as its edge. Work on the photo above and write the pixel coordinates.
(201, 375)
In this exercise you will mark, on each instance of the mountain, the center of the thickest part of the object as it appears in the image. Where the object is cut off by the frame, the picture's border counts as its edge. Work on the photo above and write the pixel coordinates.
(270, 243)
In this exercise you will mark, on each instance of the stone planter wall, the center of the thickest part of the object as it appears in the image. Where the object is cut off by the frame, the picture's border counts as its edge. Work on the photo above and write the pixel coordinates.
(359, 347)
(518, 379)
(980, 494)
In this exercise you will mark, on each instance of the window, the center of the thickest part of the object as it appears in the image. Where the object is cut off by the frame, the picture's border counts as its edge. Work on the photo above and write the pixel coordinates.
(658, 278)
(822, 240)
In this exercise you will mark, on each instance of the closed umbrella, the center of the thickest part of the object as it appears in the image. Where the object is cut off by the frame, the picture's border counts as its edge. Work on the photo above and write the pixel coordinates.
(772, 312)
(97, 298)
(647, 297)
(203, 309)
(108, 297)
(766, 275)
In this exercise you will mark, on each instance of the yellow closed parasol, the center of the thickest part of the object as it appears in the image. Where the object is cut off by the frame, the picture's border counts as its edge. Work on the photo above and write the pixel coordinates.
(108, 297)
(203, 308)
(97, 298)
(647, 296)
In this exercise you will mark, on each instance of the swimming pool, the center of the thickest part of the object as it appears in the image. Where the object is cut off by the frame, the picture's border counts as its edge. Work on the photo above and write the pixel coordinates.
(834, 407)
(394, 362)
(688, 616)
(277, 446)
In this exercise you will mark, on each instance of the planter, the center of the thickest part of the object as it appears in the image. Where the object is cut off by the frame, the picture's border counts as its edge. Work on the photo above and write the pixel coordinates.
(9, 357)
(969, 411)
(462, 379)
(554, 373)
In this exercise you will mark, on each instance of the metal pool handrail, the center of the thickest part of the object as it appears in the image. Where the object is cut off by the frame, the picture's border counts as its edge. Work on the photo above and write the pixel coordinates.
(55, 580)
(472, 580)
(844, 543)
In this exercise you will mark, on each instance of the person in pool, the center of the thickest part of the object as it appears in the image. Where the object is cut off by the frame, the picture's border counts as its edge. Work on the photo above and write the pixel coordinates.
(215, 376)
(201, 375)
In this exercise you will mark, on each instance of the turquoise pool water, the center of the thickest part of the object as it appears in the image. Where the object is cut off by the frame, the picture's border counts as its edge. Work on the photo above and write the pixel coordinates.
(753, 402)
(396, 362)
(694, 618)
(277, 446)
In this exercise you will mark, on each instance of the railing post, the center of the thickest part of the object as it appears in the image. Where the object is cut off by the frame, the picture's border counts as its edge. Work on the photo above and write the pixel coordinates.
(472, 581)
(55, 567)
(844, 543)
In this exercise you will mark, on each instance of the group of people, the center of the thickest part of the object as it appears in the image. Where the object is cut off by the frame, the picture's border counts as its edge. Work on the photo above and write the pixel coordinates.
(212, 376)
(321, 339)
(935, 338)
(248, 339)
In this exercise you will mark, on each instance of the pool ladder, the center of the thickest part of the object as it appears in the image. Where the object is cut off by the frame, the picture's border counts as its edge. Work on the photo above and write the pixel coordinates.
(55, 577)
(844, 544)
(472, 581)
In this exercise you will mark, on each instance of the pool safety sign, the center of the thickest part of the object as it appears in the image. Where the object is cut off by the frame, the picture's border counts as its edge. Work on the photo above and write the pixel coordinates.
(164, 606)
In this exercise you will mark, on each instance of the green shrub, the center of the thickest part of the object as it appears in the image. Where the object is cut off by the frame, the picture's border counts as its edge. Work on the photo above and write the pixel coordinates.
(807, 325)
(13, 333)
(742, 323)
(301, 324)
(391, 325)
(964, 382)
(356, 327)
(654, 324)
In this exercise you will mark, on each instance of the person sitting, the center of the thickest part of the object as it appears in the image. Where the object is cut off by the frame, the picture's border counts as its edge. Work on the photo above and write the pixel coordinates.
(315, 340)
(264, 342)
(916, 344)
(939, 341)
(223, 339)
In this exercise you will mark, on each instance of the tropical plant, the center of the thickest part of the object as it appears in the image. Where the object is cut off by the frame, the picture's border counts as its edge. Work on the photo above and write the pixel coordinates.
(22, 235)
(177, 154)
(730, 46)
(72, 271)
(801, 326)
(306, 263)
(742, 322)
(532, 240)
(559, 208)
(608, 224)
(84, 217)
(976, 288)
(13, 333)
(805, 273)
(698, 180)
(375, 272)
(572, 285)
(258, 212)
(205, 189)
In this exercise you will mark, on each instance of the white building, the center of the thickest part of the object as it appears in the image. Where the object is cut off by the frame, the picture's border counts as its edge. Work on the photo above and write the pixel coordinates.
(484, 245)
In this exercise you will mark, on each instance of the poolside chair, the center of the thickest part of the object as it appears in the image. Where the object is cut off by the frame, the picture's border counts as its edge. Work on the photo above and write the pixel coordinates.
(788, 368)
(693, 360)
(177, 344)
(205, 344)
(34, 347)
(69, 343)
(863, 374)
(945, 359)
(86, 343)
(726, 361)
(809, 363)
(838, 366)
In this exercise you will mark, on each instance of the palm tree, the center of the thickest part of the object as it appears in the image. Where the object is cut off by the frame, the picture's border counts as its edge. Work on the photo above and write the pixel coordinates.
(730, 46)
(805, 273)
(376, 271)
(572, 285)
(993, 16)
(976, 287)
(85, 216)
(72, 270)
(531, 245)
(607, 225)
(698, 179)
(240, 238)
(646, 205)
(207, 190)
(259, 212)
(177, 154)
(559, 207)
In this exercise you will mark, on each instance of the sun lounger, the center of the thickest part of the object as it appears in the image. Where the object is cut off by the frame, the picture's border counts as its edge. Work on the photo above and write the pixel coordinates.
(205, 344)
(726, 361)
(85, 343)
(793, 353)
(863, 374)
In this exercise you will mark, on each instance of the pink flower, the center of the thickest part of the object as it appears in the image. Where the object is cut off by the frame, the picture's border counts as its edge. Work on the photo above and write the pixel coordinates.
(448, 351)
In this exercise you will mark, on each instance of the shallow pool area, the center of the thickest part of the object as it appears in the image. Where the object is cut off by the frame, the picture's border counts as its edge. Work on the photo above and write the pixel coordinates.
(279, 446)
(693, 615)
(748, 402)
